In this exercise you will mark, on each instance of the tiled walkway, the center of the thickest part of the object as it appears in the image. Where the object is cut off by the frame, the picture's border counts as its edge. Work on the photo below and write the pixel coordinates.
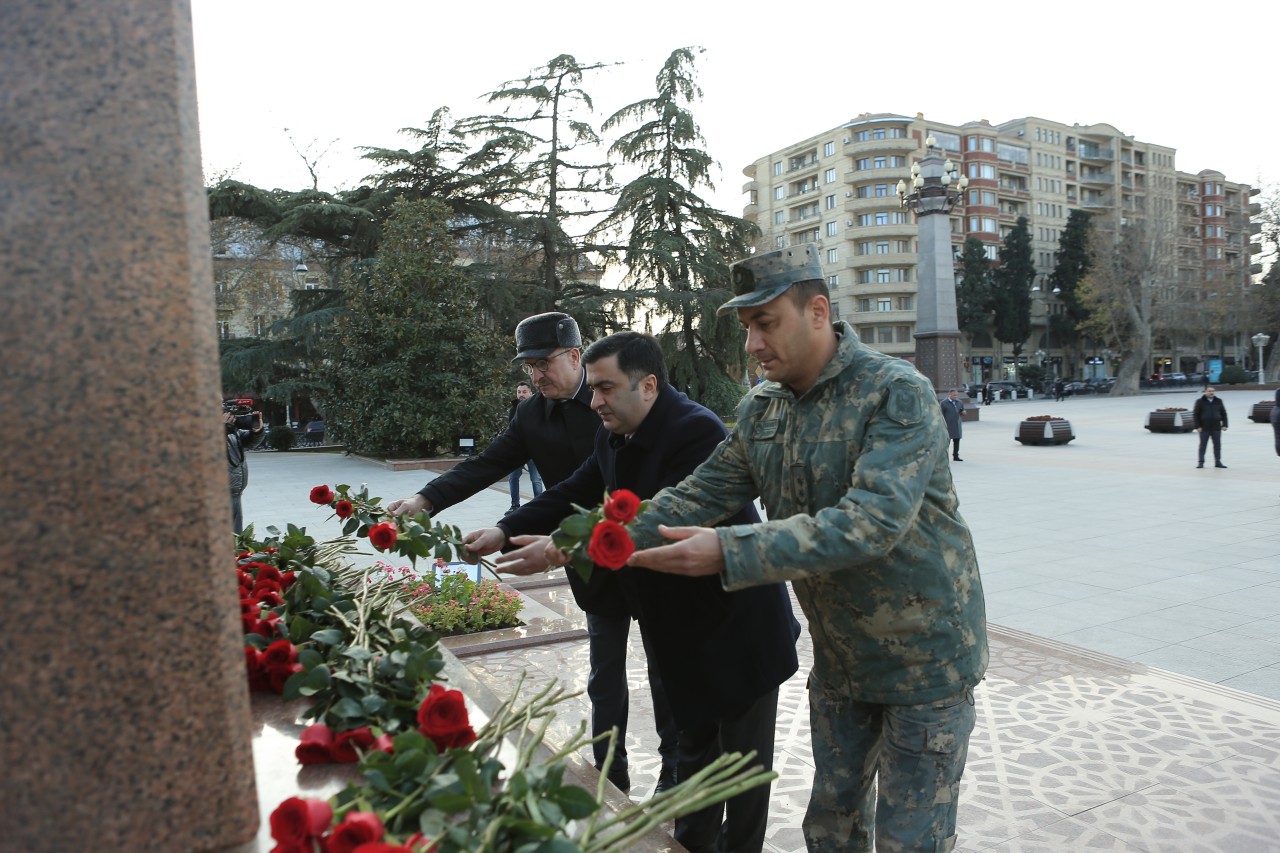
(1113, 545)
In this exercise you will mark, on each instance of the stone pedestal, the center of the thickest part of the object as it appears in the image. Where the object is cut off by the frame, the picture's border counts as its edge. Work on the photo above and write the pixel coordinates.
(125, 712)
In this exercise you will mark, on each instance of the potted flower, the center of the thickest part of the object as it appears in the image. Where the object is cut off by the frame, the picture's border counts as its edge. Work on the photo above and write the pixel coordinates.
(1044, 429)
(1170, 419)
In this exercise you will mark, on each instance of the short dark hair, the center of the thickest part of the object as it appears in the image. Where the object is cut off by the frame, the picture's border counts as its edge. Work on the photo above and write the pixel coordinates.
(638, 355)
(802, 291)
(525, 383)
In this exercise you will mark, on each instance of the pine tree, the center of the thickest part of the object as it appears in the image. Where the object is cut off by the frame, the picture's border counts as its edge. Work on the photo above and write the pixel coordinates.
(413, 367)
(1012, 287)
(973, 289)
(677, 247)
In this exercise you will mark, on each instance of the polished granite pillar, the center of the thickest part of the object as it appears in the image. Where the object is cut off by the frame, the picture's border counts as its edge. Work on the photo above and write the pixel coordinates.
(124, 718)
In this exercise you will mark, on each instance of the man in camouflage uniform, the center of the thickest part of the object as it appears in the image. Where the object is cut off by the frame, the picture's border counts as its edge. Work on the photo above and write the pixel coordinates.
(847, 448)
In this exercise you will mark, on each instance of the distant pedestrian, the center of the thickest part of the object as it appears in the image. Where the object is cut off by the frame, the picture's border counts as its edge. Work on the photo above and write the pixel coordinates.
(523, 392)
(1059, 391)
(1204, 379)
(952, 412)
(1275, 420)
(1210, 419)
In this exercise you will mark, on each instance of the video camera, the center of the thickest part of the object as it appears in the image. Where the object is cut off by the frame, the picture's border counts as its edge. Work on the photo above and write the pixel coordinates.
(243, 411)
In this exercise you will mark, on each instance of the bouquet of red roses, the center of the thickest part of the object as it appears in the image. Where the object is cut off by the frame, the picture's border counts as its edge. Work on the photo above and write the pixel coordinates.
(599, 537)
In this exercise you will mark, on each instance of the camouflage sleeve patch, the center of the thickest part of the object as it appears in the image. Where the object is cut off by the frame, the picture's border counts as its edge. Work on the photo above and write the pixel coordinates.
(906, 402)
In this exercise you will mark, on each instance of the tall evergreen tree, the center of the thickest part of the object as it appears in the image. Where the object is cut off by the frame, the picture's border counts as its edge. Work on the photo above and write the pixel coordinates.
(413, 367)
(678, 247)
(1012, 287)
(1071, 265)
(974, 288)
(542, 123)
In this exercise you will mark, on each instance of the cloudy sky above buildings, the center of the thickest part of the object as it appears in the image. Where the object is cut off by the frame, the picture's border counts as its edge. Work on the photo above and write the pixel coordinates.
(336, 74)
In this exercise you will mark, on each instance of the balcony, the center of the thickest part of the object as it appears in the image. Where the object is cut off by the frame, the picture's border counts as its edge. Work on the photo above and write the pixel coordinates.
(889, 259)
(1097, 177)
(868, 232)
(889, 146)
(1095, 201)
(882, 317)
(1092, 152)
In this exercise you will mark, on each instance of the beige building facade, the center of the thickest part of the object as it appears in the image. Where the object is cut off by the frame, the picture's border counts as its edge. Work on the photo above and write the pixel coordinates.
(837, 188)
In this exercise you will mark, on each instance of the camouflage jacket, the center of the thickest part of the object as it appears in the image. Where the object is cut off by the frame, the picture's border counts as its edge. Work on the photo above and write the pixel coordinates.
(863, 519)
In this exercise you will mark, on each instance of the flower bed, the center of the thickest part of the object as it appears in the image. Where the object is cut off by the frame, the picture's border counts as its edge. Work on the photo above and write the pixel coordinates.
(1169, 420)
(1261, 412)
(1044, 429)
(322, 632)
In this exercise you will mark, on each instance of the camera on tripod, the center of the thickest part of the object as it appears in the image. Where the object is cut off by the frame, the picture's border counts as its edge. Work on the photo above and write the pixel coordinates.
(244, 414)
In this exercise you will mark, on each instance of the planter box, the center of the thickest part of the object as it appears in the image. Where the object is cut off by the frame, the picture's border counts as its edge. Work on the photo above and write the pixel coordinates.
(1169, 422)
(1056, 431)
(1261, 412)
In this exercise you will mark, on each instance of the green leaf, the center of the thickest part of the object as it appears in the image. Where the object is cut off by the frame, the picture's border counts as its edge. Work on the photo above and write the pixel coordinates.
(577, 527)
(314, 681)
(347, 709)
(310, 658)
(329, 636)
(452, 803)
(575, 802)
(372, 703)
(293, 687)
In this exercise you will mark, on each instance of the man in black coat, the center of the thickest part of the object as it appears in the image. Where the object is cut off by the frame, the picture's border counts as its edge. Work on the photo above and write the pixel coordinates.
(721, 656)
(1210, 419)
(556, 428)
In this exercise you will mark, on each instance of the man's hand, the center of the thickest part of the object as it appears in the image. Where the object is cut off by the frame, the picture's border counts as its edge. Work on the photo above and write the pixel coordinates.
(409, 506)
(554, 556)
(529, 559)
(696, 554)
(485, 541)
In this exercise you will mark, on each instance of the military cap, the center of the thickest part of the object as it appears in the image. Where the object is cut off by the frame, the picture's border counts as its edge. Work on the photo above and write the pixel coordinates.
(763, 278)
(542, 334)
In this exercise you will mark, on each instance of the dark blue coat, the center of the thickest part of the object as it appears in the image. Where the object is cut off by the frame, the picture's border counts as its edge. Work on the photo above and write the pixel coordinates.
(716, 652)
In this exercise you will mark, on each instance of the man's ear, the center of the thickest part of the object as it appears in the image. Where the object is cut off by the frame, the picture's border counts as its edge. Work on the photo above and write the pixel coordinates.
(820, 310)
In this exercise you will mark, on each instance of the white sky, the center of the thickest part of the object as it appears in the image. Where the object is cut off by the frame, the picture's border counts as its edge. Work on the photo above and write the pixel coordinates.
(772, 73)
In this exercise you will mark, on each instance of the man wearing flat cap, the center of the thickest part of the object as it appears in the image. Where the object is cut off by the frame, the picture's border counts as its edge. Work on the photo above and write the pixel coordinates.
(556, 428)
(847, 449)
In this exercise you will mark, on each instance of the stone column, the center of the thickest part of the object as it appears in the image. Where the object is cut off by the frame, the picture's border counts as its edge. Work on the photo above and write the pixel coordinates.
(937, 329)
(125, 717)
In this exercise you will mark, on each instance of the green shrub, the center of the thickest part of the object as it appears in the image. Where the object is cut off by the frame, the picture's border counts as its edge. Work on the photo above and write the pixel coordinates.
(281, 438)
(452, 603)
(1233, 374)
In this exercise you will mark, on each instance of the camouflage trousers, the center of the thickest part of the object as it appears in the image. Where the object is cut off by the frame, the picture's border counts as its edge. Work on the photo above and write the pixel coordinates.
(916, 751)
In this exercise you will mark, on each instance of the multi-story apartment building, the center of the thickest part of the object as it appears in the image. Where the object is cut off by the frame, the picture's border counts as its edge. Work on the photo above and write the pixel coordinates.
(837, 189)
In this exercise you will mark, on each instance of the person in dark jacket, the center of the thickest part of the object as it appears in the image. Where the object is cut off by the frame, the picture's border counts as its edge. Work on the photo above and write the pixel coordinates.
(720, 655)
(556, 429)
(239, 441)
(952, 412)
(1210, 419)
(523, 392)
(1275, 420)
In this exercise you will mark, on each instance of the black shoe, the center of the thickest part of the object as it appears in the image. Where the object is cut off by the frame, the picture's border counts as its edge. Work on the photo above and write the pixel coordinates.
(666, 779)
(1201, 465)
(1219, 465)
(514, 507)
(621, 779)
(956, 459)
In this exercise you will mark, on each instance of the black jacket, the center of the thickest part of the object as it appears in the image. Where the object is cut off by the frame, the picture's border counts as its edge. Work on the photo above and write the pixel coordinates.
(716, 651)
(1209, 414)
(557, 435)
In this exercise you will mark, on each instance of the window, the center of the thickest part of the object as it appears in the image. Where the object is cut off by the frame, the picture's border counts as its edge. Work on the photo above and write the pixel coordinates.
(779, 216)
(224, 329)
(829, 176)
(986, 171)
(864, 304)
(903, 334)
(828, 149)
(1213, 253)
(884, 334)
(829, 202)
(882, 190)
(833, 281)
(884, 303)
(833, 256)
(882, 247)
(777, 168)
(779, 193)
(833, 228)
(780, 242)
(906, 303)
(882, 217)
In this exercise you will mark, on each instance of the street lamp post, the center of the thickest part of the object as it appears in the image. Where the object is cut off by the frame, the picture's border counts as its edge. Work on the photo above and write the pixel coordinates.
(1260, 341)
(936, 188)
(1048, 327)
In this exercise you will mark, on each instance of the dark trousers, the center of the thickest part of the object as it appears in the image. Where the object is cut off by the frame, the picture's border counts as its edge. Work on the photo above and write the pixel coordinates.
(955, 448)
(1207, 433)
(237, 514)
(610, 698)
(738, 825)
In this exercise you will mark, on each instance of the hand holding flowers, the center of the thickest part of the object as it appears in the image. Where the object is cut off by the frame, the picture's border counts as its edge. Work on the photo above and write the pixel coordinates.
(599, 536)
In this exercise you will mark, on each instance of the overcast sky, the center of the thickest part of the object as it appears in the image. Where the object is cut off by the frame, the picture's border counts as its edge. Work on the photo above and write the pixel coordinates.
(1197, 78)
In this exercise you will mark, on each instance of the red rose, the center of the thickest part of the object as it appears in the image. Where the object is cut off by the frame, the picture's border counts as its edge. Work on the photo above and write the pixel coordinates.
(315, 745)
(383, 536)
(346, 743)
(343, 509)
(383, 743)
(381, 847)
(269, 573)
(279, 655)
(622, 506)
(322, 495)
(276, 678)
(418, 842)
(442, 717)
(610, 545)
(357, 828)
(288, 578)
(298, 820)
